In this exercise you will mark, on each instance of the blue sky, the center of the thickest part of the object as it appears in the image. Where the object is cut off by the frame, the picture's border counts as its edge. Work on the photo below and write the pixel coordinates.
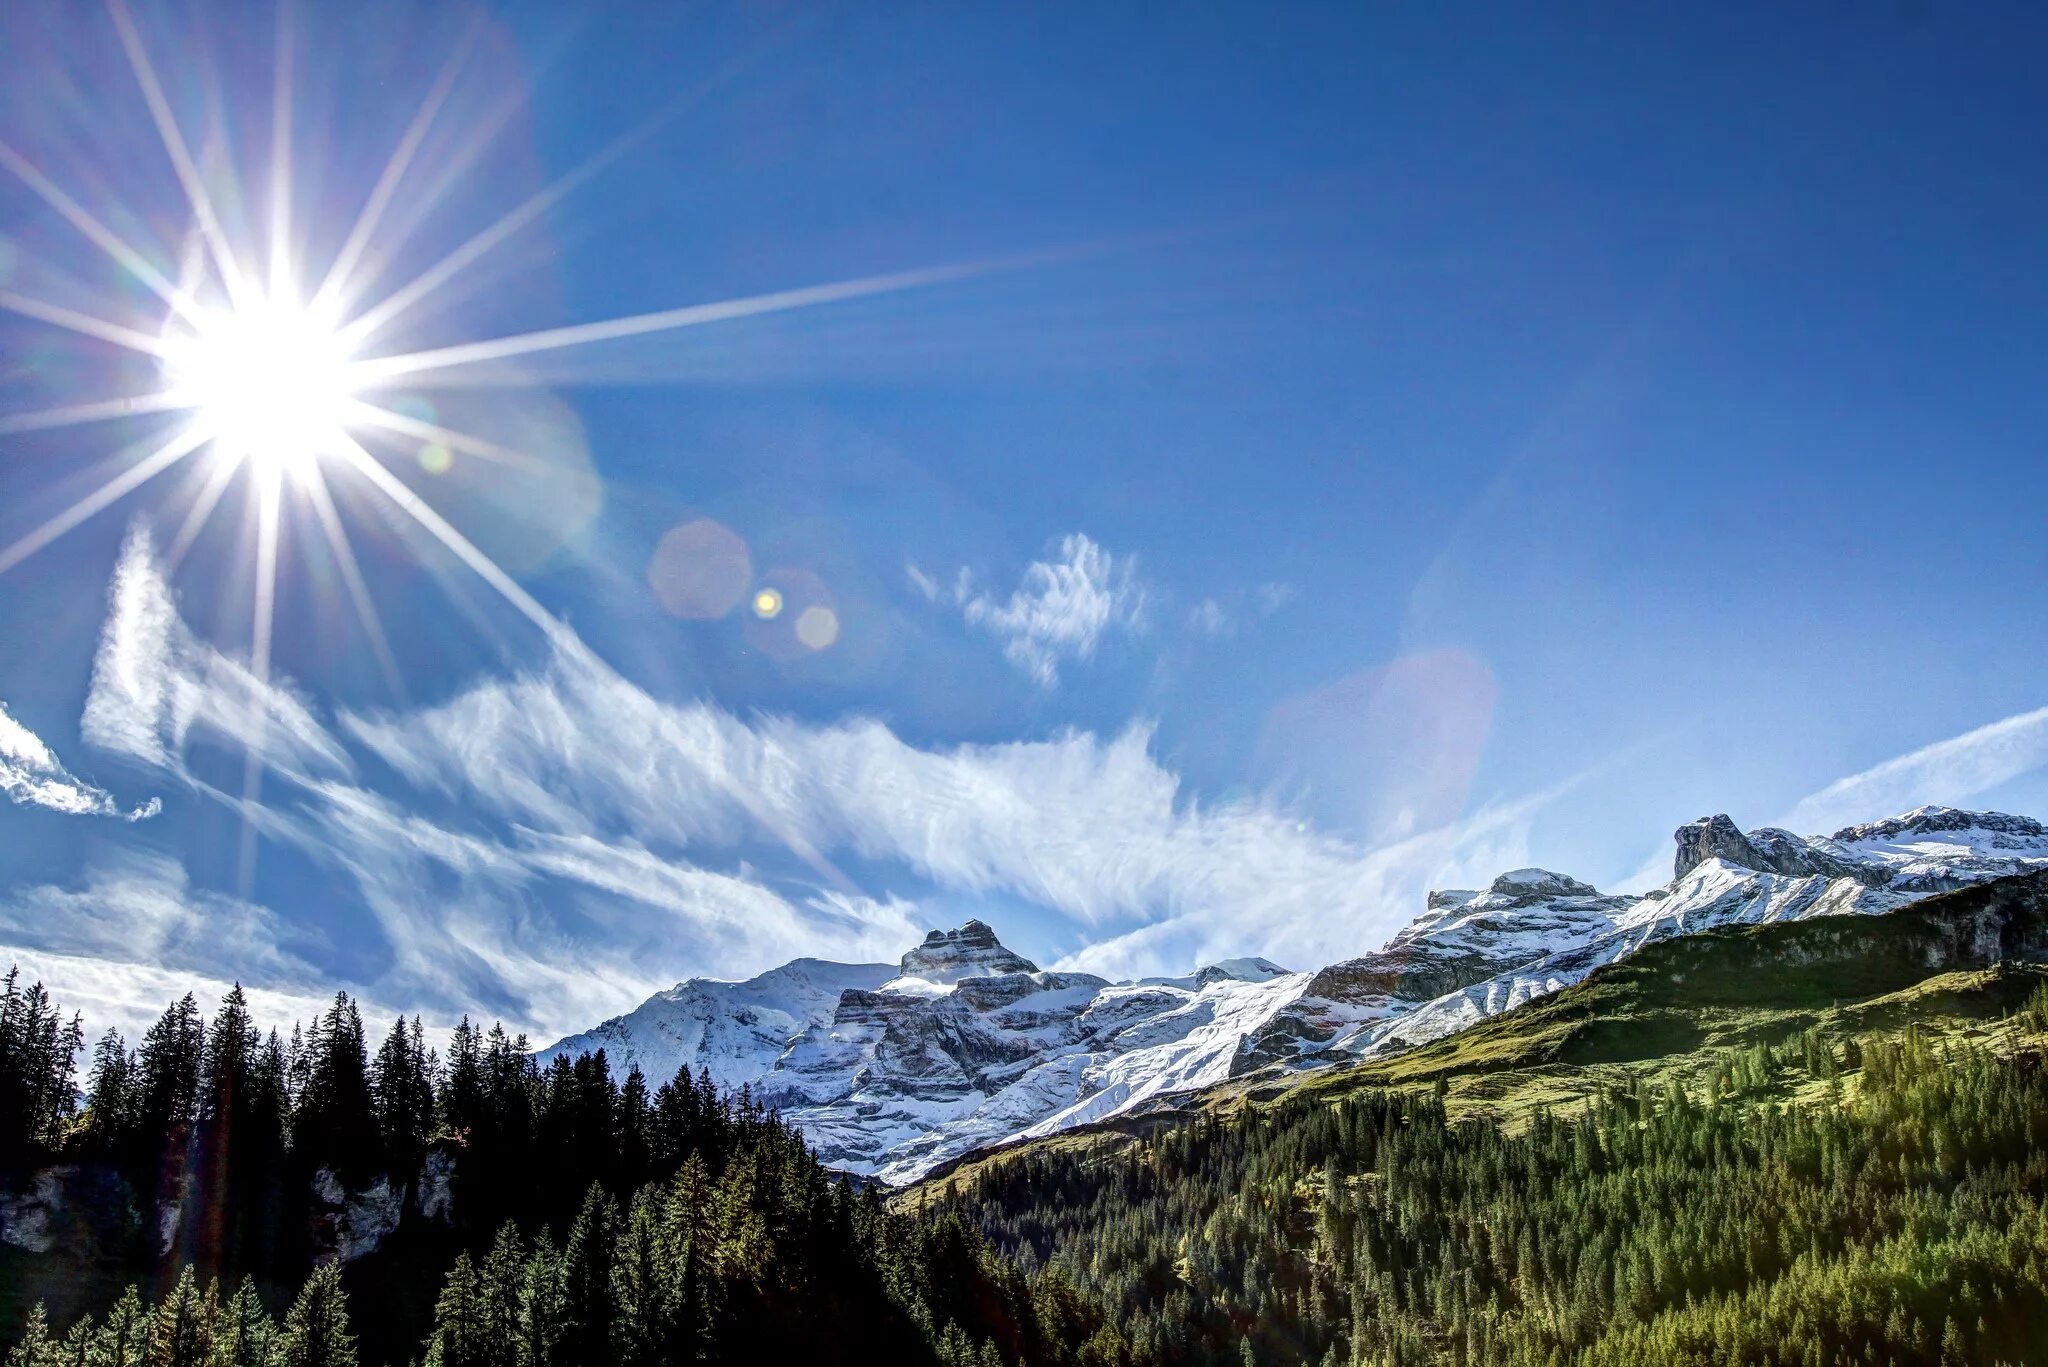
(1366, 451)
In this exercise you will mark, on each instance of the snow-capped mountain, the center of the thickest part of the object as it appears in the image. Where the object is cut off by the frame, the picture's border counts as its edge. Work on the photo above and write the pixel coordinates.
(734, 1031)
(1527, 936)
(894, 1069)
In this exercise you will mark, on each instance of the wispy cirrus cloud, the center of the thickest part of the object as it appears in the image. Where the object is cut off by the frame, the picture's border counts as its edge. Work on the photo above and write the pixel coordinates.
(1062, 608)
(554, 844)
(143, 906)
(32, 776)
(126, 995)
(553, 918)
(156, 687)
(1947, 772)
(1095, 829)
(134, 935)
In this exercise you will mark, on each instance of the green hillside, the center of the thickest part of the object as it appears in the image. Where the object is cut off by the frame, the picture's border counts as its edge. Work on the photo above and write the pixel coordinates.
(1811, 1142)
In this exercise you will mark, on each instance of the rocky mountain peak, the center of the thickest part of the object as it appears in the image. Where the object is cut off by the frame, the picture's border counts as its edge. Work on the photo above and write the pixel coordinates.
(1930, 820)
(1768, 850)
(1711, 837)
(1531, 883)
(972, 951)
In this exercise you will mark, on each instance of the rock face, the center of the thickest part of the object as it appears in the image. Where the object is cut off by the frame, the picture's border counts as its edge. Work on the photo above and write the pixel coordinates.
(892, 1070)
(28, 1218)
(1767, 850)
(950, 956)
(350, 1224)
(1461, 939)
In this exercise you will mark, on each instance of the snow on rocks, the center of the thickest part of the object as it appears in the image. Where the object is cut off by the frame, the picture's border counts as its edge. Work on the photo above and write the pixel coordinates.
(891, 1070)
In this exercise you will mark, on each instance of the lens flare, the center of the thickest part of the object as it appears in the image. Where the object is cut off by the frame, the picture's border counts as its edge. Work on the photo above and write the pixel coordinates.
(284, 370)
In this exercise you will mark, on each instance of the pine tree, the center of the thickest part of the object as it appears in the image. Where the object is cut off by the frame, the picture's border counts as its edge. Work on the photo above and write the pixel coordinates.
(169, 1063)
(111, 1099)
(635, 1130)
(459, 1338)
(403, 1095)
(498, 1287)
(181, 1331)
(461, 1092)
(334, 1124)
(230, 1046)
(543, 1308)
(36, 1348)
(587, 1279)
(642, 1284)
(242, 1331)
(36, 1056)
(76, 1349)
(316, 1331)
(122, 1339)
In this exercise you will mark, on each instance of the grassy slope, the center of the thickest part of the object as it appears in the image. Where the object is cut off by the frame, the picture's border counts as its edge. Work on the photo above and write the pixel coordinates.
(1957, 963)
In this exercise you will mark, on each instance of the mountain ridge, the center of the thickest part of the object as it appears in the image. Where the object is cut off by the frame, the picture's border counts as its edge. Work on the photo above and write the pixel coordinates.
(891, 1071)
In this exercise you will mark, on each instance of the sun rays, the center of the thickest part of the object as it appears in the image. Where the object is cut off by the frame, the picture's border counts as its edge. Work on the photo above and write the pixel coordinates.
(275, 371)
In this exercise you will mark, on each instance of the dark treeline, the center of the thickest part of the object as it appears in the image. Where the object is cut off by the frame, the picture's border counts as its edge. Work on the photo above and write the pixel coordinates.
(576, 1220)
(1900, 1219)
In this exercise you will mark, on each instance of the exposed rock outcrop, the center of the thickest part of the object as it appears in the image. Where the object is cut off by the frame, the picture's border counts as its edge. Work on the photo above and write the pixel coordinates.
(972, 951)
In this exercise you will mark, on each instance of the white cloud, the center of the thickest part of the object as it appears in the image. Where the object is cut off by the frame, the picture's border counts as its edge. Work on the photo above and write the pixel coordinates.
(556, 844)
(1095, 829)
(142, 907)
(548, 919)
(1061, 609)
(1947, 772)
(32, 776)
(136, 936)
(1211, 618)
(156, 687)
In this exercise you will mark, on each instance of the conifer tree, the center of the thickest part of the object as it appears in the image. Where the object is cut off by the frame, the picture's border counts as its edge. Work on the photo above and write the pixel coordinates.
(169, 1062)
(459, 1334)
(334, 1123)
(499, 1278)
(181, 1330)
(403, 1094)
(587, 1279)
(35, 1348)
(122, 1339)
(111, 1100)
(543, 1308)
(635, 1126)
(316, 1330)
(242, 1330)
(646, 1271)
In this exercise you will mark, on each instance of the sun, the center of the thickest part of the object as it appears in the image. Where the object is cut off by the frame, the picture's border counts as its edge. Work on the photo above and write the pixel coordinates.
(286, 369)
(268, 380)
